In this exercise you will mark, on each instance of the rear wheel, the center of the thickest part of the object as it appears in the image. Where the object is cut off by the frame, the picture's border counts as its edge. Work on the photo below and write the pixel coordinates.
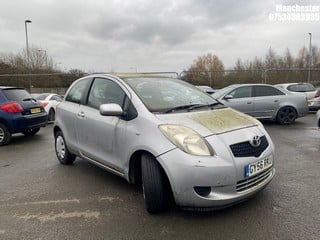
(153, 184)
(31, 132)
(51, 115)
(62, 152)
(5, 135)
(286, 115)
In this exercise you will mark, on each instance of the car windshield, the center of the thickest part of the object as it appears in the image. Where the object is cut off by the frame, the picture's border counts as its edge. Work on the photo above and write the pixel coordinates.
(220, 93)
(168, 95)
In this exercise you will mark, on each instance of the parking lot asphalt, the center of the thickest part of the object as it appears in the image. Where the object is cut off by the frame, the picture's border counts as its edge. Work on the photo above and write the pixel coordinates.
(41, 199)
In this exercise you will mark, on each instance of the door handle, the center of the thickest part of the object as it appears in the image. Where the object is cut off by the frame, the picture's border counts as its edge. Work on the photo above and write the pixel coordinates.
(81, 114)
(249, 102)
(276, 100)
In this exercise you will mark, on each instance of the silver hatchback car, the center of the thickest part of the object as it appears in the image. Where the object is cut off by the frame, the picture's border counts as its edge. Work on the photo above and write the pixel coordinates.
(168, 135)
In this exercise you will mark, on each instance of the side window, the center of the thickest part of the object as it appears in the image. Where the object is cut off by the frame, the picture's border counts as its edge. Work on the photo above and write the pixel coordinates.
(105, 91)
(75, 94)
(261, 91)
(241, 92)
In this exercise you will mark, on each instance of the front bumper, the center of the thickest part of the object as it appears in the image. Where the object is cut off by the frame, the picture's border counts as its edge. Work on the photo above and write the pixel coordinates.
(223, 177)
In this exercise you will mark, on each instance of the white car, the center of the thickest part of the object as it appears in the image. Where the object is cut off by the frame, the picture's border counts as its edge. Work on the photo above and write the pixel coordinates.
(306, 89)
(49, 102)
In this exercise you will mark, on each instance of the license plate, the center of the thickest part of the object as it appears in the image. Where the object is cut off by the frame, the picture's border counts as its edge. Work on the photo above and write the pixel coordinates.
(35, 110)
(258, 166)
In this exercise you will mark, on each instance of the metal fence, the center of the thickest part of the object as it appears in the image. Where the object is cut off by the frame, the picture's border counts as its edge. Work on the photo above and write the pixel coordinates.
(36, 83)
(59, 82)
(220, 79)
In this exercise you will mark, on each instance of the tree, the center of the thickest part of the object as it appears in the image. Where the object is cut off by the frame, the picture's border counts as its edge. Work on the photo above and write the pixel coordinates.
(205, 70)
(38, 62)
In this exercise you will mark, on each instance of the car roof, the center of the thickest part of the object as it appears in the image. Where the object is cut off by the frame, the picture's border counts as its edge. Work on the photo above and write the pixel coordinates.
(288, 84)
(133, 75)
(250, 84)
(10, 87)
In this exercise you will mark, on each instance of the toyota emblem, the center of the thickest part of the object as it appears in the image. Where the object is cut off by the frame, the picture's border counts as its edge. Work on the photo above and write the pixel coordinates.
(256, 141)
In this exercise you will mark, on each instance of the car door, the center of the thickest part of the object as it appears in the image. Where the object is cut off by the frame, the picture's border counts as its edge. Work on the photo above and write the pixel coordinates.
(98, 135)
(69, 109)
(240, 99)
(266, 100)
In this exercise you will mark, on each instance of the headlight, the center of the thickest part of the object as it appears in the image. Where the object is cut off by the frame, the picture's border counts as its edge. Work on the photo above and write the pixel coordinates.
(187, 140)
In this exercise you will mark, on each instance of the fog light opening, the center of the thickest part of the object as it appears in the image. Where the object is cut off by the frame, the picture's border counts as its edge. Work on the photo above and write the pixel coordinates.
(202, 191)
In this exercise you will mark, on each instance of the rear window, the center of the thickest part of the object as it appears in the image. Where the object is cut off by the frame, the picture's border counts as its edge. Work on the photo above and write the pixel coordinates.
(305, 87)
(14, 94)
(41, 96)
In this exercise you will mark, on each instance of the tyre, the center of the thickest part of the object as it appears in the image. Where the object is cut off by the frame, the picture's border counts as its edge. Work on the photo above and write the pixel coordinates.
(62, 152)
(286, 115)
(154, 188)
(51, 115)
(5, 135)
(31, 132)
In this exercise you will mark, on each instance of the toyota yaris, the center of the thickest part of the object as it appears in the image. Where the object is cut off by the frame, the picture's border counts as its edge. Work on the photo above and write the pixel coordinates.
(167, 135)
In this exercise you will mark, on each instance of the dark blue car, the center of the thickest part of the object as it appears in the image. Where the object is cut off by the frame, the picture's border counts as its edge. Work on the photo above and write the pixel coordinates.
(19, 113)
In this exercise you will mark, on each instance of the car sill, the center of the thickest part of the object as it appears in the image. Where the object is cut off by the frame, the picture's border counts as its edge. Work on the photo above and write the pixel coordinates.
(109, 169)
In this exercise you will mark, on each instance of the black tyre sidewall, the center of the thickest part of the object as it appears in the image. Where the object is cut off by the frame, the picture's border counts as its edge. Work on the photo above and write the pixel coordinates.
(68, 157)
(281, 121)
(51, 115)
(154, 187)
(7, 135)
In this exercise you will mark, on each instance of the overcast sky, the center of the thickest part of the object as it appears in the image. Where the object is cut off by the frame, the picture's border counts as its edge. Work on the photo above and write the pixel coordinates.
(146, 35)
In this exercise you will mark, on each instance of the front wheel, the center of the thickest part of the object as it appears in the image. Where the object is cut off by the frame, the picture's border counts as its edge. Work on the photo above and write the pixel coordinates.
(153, 184)
(5, 135)
(286, 115)
(62, 152)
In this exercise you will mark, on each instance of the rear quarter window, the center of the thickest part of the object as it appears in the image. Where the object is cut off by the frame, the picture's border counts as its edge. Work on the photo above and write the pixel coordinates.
(261, 91)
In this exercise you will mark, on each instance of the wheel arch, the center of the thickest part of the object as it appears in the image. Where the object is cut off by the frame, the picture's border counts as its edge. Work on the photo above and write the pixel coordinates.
(134, 174)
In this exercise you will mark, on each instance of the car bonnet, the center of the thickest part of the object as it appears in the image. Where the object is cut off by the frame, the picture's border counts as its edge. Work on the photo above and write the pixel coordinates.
(215, 121)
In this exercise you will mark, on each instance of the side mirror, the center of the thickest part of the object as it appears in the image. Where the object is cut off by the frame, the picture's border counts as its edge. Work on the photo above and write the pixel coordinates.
(227, 97)
(110, 109)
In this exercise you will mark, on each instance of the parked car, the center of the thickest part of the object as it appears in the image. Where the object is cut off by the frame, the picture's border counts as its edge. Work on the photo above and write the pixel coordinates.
(49, 102)
(166, 134)
(306, 89)
(318, 118)
(314, 104)
(19, 113)
(206, 89)
(264, 101)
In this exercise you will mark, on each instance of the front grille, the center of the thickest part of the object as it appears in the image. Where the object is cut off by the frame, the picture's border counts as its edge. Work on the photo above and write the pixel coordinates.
(253, 181)
(244, 149)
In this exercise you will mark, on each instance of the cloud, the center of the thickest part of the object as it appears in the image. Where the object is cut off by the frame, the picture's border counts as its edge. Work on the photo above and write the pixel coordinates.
(149, 35)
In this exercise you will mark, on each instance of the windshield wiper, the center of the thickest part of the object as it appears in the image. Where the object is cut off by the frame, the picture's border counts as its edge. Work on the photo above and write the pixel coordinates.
(205, 105)
(190, 107)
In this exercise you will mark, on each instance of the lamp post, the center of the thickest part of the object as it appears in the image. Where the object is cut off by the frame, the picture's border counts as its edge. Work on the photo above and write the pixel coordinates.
(28, 57)
(310, 57)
